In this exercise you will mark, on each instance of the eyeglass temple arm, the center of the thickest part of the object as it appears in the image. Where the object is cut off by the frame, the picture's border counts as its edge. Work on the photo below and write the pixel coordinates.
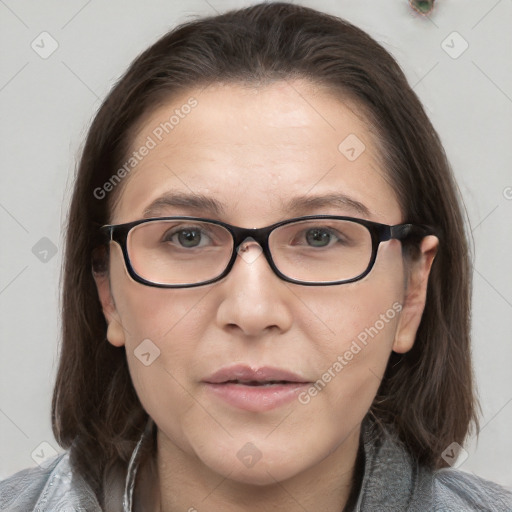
(99, 253)
(410, 231)
(106, 233)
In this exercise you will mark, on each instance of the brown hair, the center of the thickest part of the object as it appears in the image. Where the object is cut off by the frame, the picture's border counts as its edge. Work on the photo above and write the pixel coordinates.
(426, 394)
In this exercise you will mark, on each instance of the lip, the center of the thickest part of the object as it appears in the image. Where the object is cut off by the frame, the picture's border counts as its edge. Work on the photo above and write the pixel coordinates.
(255, 398)
(246, 373)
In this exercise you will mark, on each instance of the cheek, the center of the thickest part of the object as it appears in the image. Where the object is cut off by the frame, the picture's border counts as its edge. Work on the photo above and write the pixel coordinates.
(364, 310)
(163, 330)
(353, 358)
(168, 325)
(361, 319)
(159, 314)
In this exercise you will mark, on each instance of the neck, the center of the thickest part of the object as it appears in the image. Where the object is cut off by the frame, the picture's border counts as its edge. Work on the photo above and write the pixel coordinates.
(177, 481)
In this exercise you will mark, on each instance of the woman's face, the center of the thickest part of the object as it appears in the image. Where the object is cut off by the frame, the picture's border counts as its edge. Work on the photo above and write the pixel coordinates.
(254, 151)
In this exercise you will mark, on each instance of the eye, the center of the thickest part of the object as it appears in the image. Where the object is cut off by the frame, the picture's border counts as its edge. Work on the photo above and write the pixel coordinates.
(331, 234)
(319, 237)
(187, 237)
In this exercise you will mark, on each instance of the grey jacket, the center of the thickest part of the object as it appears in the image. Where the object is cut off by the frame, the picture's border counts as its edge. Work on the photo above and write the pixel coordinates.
(391, 482)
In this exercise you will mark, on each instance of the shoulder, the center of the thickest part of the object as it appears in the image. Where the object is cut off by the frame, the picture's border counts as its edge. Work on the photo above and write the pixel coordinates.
(21, 490)
(395, 480)
(455, 490)
(51, 486)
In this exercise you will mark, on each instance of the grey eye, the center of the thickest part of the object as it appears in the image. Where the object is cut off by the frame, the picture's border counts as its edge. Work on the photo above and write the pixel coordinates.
(318, 237)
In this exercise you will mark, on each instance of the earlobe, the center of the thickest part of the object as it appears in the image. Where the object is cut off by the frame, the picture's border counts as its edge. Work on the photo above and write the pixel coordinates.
(415, 296)
(115, 332)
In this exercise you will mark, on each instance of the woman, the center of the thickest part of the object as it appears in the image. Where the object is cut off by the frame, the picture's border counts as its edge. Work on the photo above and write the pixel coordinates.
(266, 290)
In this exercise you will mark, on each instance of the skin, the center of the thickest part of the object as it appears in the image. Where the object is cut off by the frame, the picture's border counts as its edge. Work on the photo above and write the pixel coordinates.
(252, 149)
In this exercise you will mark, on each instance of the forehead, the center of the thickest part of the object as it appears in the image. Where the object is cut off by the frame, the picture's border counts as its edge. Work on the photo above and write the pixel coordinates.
(254, 149)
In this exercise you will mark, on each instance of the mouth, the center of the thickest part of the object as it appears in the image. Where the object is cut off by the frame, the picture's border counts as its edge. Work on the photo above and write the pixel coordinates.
(258, 383)
(256, 390)
(247, 376)
(263, 384)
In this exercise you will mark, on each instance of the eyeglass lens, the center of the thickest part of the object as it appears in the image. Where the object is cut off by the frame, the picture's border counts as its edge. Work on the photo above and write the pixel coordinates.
(188, 252)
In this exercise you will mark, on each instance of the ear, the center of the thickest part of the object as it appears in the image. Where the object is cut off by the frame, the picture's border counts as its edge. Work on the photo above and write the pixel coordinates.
(415, 295)
(115, 332)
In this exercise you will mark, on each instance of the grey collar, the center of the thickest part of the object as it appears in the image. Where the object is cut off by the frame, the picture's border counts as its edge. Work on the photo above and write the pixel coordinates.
(133, 466)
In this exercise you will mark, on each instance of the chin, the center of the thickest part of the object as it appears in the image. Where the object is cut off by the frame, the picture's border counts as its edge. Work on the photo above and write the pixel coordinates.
(260, 475)
(252, 467)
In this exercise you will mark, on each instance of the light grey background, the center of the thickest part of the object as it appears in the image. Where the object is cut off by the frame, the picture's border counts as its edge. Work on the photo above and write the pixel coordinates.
(47, 105)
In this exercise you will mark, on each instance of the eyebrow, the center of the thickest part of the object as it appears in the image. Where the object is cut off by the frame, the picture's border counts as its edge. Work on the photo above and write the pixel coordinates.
(333, 200)
(295, 206)
(179, 199)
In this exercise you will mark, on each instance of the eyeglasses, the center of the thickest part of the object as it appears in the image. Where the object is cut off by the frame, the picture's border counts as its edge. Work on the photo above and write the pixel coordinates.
(316, 250)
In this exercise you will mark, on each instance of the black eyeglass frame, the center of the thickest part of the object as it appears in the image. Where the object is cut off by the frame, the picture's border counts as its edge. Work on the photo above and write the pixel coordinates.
(379, 233)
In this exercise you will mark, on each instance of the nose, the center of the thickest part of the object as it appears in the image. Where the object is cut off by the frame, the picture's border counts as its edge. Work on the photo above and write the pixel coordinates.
(254, 299)
(245, 252)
